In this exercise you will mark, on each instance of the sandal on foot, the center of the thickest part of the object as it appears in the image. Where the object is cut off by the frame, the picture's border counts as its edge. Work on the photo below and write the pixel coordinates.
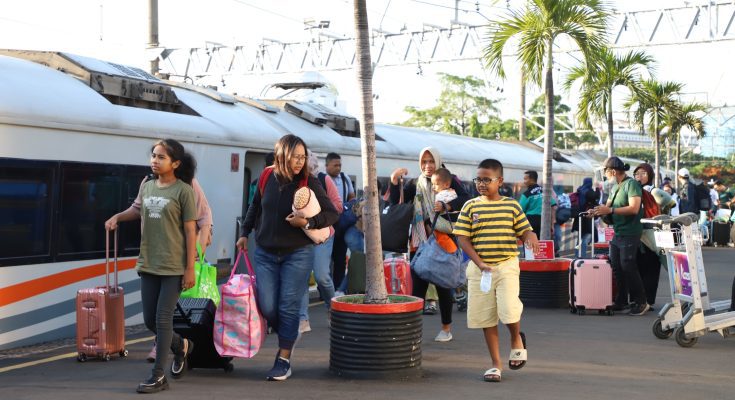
(518, 355)
(492, 375)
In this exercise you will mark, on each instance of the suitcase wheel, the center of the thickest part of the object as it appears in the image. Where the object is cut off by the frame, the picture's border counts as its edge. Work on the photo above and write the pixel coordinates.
(123, 353)
(580, 311)
(81, 357)
(106, 357)
(229, 367)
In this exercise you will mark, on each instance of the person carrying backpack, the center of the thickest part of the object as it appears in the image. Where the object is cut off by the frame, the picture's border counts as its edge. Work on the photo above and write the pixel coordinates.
(688, 201)
(649, 262)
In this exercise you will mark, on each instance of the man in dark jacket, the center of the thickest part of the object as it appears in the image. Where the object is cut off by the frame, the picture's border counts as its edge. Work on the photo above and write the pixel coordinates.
(688, 201)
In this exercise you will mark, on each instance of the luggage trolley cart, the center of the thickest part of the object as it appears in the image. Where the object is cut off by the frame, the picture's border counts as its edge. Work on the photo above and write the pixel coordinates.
(690, 314)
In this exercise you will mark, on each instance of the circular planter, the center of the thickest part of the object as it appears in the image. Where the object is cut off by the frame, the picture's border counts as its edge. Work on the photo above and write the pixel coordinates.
(545, 283)
(376, 341)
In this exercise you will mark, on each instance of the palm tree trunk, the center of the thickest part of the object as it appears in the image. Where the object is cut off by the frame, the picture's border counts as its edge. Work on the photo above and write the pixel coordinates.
(657, 150)
(375, 291)
(610, 137)
(668, 152)
(522, 110)
(546, 222)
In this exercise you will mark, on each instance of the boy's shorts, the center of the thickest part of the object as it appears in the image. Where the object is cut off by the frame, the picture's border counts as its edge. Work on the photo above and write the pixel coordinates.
(501, 303)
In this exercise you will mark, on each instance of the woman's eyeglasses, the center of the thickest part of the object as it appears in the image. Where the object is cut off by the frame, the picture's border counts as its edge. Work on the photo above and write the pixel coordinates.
(484, 181)
(299, 158)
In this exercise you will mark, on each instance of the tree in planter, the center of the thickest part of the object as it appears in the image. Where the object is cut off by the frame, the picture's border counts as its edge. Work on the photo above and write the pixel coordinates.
(375, 290)
(462, 103)
(537, 25)
(599, 78)
(655, 100)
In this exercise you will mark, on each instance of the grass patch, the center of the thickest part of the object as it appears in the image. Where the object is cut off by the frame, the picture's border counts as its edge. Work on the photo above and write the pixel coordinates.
(360, 299)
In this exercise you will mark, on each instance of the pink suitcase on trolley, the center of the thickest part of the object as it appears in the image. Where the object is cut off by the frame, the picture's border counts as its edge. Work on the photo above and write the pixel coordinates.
(101, 316)
(590, 286)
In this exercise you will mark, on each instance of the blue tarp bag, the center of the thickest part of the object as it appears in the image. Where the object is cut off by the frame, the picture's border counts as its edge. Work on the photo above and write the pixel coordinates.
(432, 264)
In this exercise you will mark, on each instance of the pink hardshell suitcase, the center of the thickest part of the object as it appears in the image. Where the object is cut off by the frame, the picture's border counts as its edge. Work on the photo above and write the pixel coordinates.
(101, 316)
(590, 286)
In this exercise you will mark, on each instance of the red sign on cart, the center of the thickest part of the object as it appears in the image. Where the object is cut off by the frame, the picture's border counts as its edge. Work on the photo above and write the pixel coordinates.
(546, 251)
(609, 234)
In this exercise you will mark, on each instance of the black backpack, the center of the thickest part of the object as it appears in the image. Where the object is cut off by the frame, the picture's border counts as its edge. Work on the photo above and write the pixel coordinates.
(704, 201)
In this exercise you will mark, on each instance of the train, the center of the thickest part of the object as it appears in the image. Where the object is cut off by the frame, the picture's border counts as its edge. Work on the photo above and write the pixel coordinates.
(75, 140)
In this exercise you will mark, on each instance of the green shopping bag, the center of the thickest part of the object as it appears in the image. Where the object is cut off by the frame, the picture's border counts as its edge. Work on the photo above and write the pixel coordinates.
(205, 286)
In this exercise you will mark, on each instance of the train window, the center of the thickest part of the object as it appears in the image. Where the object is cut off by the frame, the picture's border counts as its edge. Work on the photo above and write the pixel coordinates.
(25, 209)
(90, 194)
(130, 231)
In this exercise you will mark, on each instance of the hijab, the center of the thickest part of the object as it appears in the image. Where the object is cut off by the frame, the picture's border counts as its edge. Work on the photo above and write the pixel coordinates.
(423, 203)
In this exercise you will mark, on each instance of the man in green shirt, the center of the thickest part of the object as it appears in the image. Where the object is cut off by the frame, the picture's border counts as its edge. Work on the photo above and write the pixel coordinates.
(624, 208)
(725, 195)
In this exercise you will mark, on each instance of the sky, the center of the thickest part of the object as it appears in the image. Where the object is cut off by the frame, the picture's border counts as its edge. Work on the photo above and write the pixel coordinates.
(116, 30)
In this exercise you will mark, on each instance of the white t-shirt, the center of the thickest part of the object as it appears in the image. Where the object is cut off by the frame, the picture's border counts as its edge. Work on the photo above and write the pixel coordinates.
(715, 197)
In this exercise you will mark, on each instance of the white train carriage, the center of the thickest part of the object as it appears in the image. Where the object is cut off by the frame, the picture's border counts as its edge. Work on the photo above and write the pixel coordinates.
(75, 138)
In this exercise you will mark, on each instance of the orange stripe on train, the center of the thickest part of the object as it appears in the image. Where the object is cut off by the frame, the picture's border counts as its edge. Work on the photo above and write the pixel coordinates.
(25, 290)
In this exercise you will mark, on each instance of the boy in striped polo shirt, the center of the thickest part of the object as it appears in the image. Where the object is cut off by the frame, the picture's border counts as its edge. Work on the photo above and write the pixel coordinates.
(487, 228)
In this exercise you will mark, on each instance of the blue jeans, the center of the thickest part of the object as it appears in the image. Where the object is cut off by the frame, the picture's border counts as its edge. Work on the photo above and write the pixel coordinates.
(586, 239)
(355, 239)
(557, 238)
(282, 280)
(322, 275)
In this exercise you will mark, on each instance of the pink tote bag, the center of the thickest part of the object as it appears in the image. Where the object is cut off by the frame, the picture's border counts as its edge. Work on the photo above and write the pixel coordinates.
(239, 328)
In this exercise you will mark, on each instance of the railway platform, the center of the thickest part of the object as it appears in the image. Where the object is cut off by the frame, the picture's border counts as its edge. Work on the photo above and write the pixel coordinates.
(570, 356)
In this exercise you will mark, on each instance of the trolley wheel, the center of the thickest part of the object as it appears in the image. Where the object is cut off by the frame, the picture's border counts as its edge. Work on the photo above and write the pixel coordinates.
(682, 340)
(81, 357)
(659, 331)
(610, 312)
(229, 367)
(572, 310)
(106, 357)
(123, 353)
(581, 311)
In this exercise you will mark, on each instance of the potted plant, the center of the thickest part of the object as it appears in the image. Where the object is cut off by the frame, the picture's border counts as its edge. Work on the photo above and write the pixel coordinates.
(373, 335)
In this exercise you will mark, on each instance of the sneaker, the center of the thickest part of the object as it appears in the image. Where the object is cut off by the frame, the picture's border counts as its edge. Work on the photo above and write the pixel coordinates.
(443, 336)
(639, 309)
(339, 293)
(430, 308)
(153, 384)
(178, 366)
(152, 354)
(281, 370)
(304, 326)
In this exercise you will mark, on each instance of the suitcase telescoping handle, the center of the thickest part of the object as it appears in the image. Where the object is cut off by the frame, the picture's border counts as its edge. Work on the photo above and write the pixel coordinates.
(585, 214)
(107, 261)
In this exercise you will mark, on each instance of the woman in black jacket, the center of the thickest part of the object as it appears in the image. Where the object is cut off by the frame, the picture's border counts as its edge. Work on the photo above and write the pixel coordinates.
(284, 255)
(419, 192)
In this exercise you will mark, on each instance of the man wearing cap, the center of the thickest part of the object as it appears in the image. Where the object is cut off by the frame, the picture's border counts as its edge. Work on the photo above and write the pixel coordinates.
(624, 209)
(688, 201)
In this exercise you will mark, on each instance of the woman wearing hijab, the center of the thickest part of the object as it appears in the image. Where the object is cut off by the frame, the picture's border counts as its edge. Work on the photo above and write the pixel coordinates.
(419, 192)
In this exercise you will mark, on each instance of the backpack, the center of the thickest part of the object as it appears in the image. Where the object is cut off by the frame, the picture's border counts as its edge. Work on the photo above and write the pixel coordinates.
(703, 200)
(574, 200)
(649, 204)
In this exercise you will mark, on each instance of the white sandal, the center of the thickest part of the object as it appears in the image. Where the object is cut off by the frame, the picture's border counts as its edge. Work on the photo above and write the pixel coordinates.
(492, 375)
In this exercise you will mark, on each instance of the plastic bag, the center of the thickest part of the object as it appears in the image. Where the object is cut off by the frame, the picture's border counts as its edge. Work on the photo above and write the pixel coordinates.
(205, 286)
(486, 281)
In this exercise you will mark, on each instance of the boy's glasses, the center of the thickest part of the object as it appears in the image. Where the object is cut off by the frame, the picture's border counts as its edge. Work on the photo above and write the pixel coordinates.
(484, 181)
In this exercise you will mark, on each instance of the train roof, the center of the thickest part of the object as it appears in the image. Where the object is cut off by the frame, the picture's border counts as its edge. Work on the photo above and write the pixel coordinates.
(66, 91)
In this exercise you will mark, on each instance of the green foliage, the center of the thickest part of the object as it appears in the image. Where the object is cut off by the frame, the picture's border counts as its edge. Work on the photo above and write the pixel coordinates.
(462, 104)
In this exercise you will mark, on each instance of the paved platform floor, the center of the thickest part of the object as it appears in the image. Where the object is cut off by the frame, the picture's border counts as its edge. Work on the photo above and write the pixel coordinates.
(570, 357)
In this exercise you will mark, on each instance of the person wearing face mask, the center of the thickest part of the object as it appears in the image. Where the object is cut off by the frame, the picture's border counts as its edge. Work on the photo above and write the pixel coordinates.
(419, 192)
(623, 209)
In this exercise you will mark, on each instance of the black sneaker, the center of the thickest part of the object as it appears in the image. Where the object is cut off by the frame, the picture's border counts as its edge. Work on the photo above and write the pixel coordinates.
(281, 370)
(639, 309)
(180, 360)
(621, 307)
(153, 384)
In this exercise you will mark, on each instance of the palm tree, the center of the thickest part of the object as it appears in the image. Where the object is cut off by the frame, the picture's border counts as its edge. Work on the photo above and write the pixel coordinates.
(375, 291)
(537, 26)
(655, 100)
(685, 116)
(599, 78)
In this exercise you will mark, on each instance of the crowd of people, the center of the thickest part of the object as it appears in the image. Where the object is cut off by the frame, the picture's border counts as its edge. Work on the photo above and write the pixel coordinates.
(486, 225)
